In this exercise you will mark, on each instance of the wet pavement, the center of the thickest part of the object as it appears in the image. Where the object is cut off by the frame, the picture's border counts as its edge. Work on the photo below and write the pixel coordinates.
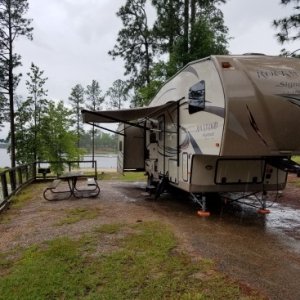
(262, 251)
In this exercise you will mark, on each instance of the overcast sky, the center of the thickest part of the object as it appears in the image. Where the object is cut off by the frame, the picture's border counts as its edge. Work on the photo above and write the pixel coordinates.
(72, 38)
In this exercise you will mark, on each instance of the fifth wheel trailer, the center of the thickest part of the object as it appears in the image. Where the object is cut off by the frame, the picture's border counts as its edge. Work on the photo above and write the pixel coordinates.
(221, 124)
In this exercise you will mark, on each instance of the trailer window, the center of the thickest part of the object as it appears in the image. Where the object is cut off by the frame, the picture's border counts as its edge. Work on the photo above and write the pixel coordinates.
(197, 97)
(161, 125)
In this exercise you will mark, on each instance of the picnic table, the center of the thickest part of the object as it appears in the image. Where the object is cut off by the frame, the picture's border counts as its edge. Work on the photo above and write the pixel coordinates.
(55, 191)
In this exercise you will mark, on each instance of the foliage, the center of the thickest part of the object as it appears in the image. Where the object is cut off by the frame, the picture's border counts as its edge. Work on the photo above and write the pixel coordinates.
(142, 265)
(12, 25)
(24, 134)
(77, 100)
(94, 96)
(194, 30)
(289, 26)
(95, 99)
(2, 105)
(135, 43)
(117, 94)
(168, 25)
(103, 142)
(184, 30)
(28, 116)
(57, 140)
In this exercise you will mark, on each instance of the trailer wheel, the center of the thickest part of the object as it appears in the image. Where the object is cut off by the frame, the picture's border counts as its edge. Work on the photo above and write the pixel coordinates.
(150, 180)
(150, 188)
(161, 187)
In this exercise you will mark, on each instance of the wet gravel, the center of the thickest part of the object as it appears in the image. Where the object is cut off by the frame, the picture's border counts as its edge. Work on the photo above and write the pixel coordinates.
(262, 251)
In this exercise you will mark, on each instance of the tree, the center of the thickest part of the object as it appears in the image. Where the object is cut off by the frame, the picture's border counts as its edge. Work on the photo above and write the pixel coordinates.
(94, 95)
(167, 26)
(198, 30)
(28, 116)
(56, 137)
(117, 94)
(135, 43)
(24, 135)
(12, 25)
(77, 99)
(2, 108)
(95, 99)
(37, 101)
(289, 27)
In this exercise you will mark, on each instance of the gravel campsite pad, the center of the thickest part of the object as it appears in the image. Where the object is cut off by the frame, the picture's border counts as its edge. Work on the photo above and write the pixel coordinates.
(260, 252)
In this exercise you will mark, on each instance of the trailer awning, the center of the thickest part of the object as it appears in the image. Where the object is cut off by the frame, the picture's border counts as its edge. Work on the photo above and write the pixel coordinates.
(123, 115)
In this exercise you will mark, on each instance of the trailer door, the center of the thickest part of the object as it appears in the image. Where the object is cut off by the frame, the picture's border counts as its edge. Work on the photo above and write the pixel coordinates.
(134, 148)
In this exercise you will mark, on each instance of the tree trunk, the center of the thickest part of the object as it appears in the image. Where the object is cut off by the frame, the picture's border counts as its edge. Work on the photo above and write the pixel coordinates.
(147, 62)
(186, 27)
(11, 91)
(172, 32)
(192, 29)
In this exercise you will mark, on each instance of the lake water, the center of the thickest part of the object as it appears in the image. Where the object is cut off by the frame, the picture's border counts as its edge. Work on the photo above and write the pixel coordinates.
(4, 158)
(103, 161)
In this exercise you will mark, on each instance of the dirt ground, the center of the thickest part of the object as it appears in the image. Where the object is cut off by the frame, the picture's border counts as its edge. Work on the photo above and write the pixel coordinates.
(262, 252)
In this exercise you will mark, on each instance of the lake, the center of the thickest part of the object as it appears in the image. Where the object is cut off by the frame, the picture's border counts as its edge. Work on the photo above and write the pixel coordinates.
(103, 161)
(4, 158)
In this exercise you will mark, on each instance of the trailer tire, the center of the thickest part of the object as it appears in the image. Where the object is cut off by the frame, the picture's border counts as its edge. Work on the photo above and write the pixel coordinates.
(150, 180)
(161, 187)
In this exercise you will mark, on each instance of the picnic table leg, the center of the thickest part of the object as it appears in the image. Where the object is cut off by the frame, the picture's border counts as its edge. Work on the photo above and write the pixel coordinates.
(87, 193)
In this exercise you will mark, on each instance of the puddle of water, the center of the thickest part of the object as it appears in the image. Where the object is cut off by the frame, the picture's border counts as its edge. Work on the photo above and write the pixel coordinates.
(283, 222)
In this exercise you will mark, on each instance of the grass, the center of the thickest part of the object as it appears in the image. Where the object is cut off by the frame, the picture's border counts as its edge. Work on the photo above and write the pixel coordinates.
(127, 176)
(108, 228)
(77, 214)
(20, 199)
(146, 265)
(24, 196)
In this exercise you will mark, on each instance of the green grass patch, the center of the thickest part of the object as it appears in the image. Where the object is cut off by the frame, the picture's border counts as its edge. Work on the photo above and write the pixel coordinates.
(24, 196)
(78, 214)
(126, 176)
(4, 262)
(296, 159)
(146, 265)
(27, 194)
(108, 228)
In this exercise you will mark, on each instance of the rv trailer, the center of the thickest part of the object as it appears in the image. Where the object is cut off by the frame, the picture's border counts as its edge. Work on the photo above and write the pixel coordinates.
(225, 124)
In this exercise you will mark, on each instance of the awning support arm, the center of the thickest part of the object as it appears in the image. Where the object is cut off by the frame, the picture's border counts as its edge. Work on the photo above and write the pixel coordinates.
(113, 131)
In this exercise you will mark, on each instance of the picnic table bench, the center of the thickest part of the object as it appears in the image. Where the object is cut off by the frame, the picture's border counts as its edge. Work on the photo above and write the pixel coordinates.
(54, 192)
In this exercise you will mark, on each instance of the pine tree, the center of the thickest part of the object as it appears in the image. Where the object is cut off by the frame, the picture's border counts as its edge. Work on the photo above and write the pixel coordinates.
(95, 100)
(37, 100)
(135, 43)
(12, 25)
(28, 116)
(118, 94)
(24, 134)
(197, 30)
(77, 100)
(289, 27)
